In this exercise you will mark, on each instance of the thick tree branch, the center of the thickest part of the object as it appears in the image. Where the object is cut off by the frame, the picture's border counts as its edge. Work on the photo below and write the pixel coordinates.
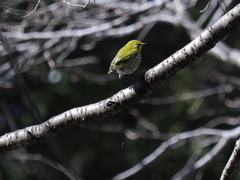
(227, 137)
(131, 95)
(232, 163)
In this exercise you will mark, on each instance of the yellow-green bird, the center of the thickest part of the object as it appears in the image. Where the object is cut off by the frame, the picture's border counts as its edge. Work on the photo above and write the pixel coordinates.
(127, 59)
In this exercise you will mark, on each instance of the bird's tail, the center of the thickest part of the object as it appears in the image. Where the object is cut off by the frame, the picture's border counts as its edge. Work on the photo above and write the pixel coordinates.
(110, 71)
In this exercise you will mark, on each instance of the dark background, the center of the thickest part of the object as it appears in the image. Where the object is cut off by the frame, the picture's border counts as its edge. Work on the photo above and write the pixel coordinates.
(95, 150)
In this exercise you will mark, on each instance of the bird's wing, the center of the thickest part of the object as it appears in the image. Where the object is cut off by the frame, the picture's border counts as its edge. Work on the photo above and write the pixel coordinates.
(131, 54)
(111, 68)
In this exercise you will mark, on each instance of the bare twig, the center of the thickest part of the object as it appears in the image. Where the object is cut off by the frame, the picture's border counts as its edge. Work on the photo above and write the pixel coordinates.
(45, 160)
(232, 163)
(8, 116)
(189, 95)
(175, 139)
(224, 8)
(145, 31)
(205, 161)
(232, 121)
(35, 8)
(77, 5)
(206, 7)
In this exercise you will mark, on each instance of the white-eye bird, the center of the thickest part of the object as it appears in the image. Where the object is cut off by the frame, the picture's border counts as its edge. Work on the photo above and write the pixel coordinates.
(127, 59)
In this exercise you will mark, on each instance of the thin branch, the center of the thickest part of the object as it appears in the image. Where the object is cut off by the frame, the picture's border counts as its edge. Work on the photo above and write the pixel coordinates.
(145, 31)
(233, 121)
(103, 128)
(20, 81)
(35, 8)
(31, 105)
(224, 8)
(202, 163)
(97, 78)
(189, 95)
(132, 134)
(232, 163)
(148, 125)
(190, 162)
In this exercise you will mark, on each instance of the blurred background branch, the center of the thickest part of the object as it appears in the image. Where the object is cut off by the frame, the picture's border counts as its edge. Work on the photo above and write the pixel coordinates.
(62, 54)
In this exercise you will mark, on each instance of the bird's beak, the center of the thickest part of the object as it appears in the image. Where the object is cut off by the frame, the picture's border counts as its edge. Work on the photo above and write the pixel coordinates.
(143, 43)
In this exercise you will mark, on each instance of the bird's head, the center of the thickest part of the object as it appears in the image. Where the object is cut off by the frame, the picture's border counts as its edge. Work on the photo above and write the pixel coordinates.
(135, 44)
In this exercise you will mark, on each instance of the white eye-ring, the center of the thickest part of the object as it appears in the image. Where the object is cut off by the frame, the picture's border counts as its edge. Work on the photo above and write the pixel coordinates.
(135, 44)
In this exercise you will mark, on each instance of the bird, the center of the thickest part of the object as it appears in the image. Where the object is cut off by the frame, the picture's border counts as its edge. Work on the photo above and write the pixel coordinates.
(127, 59)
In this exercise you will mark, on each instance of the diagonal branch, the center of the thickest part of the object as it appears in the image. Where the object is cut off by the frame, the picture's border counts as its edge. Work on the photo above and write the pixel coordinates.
(205, 161)
(232, 163)
(175, 139)
(44, 160)
(77, 5)
(131, 95)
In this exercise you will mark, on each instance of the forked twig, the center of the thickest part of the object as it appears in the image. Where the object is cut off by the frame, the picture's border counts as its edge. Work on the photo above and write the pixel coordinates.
(35, 8)
(206, 7)
(232, 162)
(77, 5)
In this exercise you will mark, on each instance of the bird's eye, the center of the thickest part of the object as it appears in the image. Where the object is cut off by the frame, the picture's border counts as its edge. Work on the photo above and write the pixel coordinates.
(135, 44)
